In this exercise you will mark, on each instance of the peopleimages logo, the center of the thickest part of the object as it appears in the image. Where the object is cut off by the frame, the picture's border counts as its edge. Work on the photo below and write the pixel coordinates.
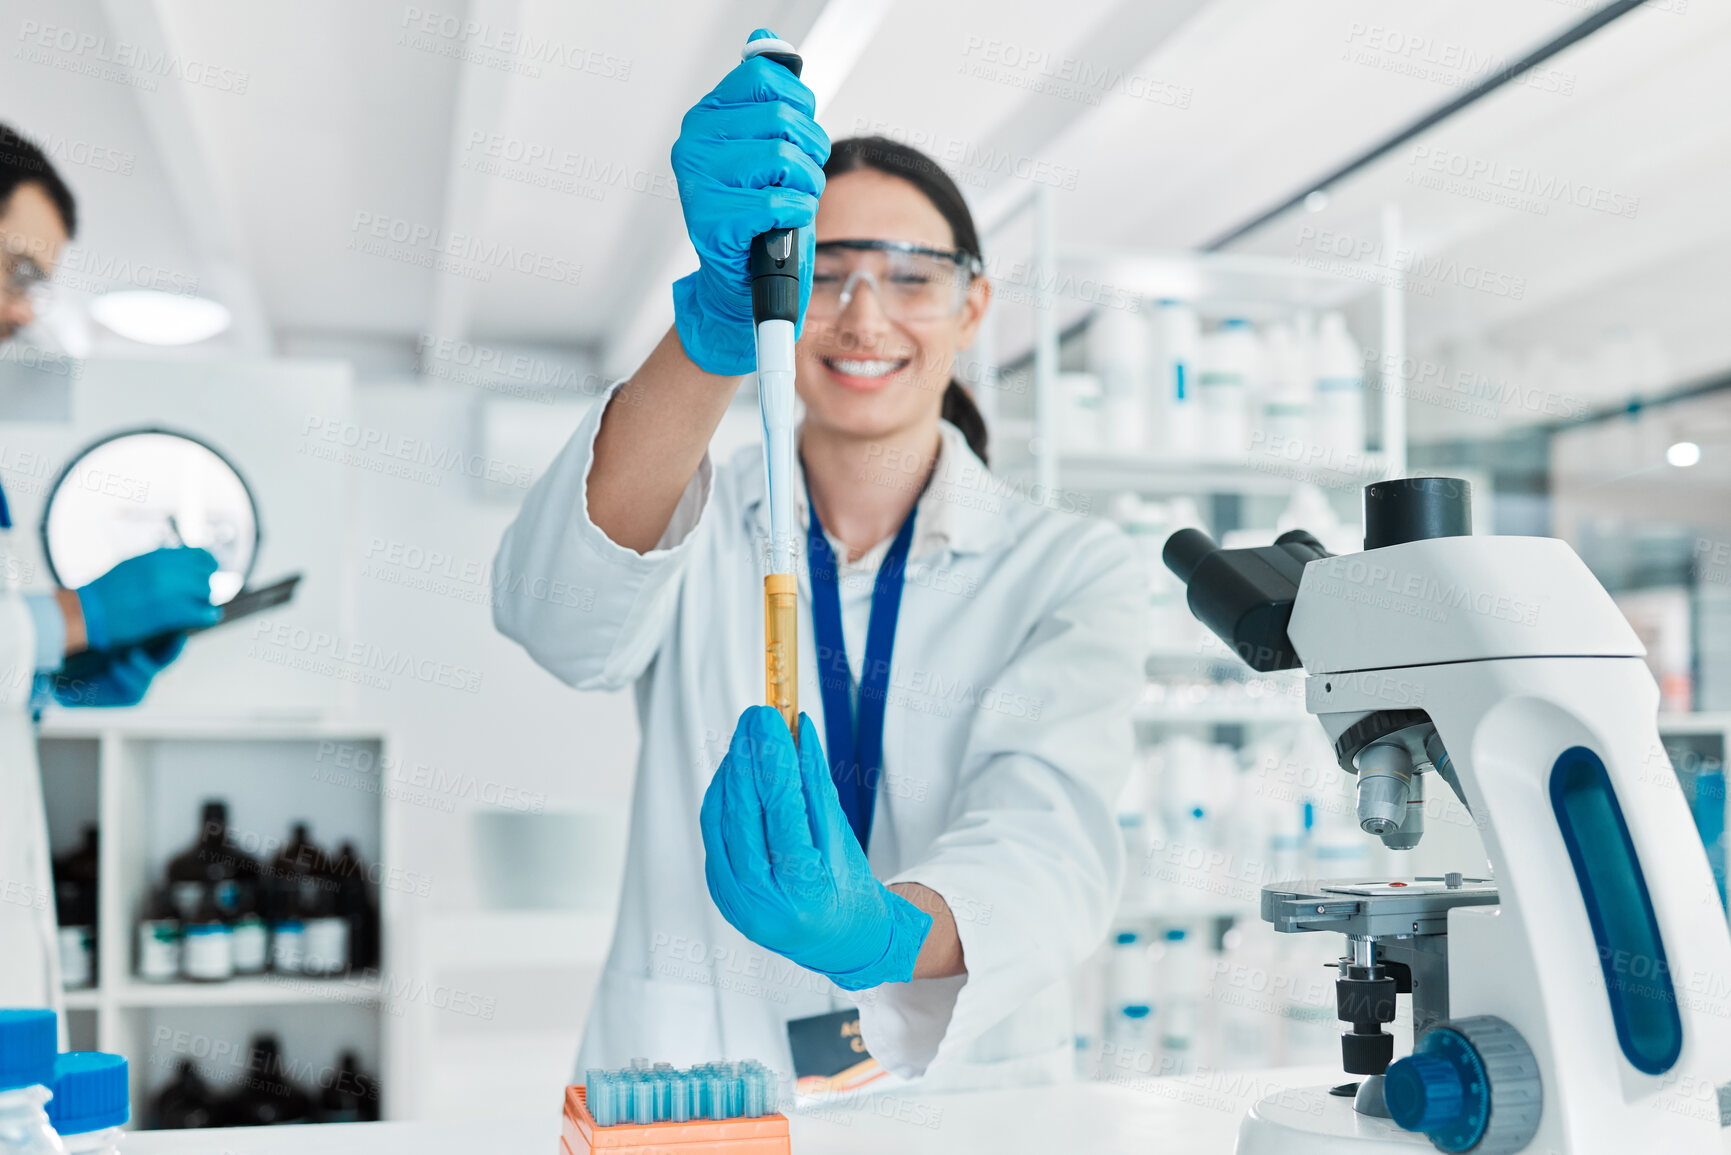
(1349, 255)
(96, 55)
(513, 49)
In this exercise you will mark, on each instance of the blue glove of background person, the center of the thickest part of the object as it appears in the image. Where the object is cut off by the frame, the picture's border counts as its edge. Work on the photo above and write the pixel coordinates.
(749, 158)
(785, 868)
(121, 678)
(160, 592)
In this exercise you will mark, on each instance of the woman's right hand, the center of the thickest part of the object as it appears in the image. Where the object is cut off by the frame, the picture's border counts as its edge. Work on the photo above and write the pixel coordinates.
(749, 158)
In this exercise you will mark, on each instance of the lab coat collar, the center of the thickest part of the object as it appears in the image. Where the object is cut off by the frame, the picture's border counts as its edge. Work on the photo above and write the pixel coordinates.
(964, 509)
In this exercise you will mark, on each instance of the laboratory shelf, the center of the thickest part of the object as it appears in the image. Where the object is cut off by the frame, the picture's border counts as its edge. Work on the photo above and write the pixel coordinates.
(1246, 285)
(1201, 909)
(1256, 712)
(136, 725)
(1149, 475)
(1254, 287)
(259, 991)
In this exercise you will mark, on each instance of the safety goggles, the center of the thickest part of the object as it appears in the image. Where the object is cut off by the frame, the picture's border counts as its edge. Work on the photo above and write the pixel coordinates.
(20, 276)
(912, 282)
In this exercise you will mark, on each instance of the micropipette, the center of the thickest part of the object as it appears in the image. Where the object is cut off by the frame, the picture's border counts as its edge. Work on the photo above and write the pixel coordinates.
(775, 257)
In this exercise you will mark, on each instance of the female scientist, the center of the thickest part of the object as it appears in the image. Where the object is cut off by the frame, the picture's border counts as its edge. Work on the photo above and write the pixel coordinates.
(975, 657)
(127, 613)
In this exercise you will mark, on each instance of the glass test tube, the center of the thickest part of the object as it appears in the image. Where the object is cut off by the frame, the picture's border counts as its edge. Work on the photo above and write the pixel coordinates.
(781, 646)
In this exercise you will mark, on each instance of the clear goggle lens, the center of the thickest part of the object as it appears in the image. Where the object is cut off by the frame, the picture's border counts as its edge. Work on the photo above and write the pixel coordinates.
(23, 277)
(911, 284)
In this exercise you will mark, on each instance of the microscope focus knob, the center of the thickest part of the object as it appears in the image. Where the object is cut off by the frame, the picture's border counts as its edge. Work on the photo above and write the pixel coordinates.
(1471, 1084)
(1424, 1092)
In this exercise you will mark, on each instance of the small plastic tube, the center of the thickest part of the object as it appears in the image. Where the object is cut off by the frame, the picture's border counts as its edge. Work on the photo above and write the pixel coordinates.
(717, 1094)
(681, 1091)
(604, 1100)
(771, 1092)
(642, 1102)
(663, 1084)
(752, 1108)
(592, 1091)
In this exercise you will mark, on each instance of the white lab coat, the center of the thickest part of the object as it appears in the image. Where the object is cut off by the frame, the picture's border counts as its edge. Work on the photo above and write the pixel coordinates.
(1007, 737)
(29, 955)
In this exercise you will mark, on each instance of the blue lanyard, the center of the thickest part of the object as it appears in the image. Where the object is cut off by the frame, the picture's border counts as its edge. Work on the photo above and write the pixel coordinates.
(856, 745)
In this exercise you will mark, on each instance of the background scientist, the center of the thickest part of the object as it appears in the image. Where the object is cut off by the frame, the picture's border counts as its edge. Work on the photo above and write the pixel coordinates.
(145, 597)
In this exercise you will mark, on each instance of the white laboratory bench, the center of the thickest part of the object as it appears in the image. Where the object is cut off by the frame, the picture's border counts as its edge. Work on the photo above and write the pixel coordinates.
(1189, 1115)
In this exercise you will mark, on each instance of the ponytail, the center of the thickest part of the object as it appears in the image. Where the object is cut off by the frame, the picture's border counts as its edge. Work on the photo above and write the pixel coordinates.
(959, 410)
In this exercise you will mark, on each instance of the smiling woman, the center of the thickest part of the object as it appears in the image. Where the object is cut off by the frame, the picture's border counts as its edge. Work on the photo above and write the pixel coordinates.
(893, 220)
(943, 835)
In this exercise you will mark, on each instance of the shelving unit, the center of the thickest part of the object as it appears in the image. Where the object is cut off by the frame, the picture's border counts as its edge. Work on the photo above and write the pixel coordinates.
(1218, 285)
(1699, 746)
(140, 779)
(1201, 690)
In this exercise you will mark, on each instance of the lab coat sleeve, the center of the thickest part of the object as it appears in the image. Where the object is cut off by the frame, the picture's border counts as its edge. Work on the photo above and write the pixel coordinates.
(50, 630)
(590, 610)
(18, 655)
(1031, 861)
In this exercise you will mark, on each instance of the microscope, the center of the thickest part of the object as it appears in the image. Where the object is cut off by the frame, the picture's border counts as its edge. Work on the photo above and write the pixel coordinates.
(1576, 1001)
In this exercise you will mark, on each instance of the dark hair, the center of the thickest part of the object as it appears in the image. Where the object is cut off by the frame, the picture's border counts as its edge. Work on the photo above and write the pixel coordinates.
(880, 154)
(22, 162)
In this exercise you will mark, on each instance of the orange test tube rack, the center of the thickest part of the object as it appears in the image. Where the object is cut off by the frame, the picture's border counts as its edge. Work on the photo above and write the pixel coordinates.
(579, 1134)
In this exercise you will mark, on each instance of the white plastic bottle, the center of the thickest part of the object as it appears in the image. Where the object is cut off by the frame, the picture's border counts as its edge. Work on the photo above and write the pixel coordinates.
(1129, 979)
(1244, 996)
(1173, 408)
(1119, 354)
(90, 1103)
(1129, 1028)
(1080, 425)
(1179, 992)
(1337, 419)
(1231, 369)
(1284, 429)
(28, 1039)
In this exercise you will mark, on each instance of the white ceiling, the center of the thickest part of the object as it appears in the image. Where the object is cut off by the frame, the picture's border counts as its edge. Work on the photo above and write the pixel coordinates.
(354, 112)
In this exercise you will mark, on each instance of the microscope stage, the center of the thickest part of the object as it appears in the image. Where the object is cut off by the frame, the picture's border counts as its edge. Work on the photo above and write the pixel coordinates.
(1378, 907)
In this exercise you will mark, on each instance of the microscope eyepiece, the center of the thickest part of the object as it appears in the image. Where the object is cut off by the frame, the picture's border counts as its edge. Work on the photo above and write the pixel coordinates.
(1185, 550)
(1244, 595)
(1416, 508)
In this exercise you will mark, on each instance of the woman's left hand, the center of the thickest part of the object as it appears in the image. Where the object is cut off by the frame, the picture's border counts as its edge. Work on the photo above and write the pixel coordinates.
(785, 868)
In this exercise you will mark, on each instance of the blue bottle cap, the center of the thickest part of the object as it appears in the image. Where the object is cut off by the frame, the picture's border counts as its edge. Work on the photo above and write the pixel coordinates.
(28, 1040)
(1176, 934)
(90, 1092)
(1134, 1011)
(1126, 937)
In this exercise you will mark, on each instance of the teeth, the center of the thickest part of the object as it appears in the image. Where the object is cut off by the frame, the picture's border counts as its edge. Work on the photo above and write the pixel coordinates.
(865, 368)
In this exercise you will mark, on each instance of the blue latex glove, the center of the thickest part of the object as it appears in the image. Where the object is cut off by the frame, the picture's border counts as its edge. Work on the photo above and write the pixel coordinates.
(749, 158)
(123, 677)
(160, 592)
(785, 868)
